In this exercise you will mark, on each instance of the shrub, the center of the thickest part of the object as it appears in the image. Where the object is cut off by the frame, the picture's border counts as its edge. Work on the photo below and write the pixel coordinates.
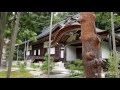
(76, 65)
(67, 64)
(111, 65)
(73, 66)
(44, 67)
(34, 66)
(22, 66)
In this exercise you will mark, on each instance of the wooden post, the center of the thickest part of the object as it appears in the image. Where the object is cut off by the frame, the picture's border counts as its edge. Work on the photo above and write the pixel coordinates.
(114, 44)
(49, 44)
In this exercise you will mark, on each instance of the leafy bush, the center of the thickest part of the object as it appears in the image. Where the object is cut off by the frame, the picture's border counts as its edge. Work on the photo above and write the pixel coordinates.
(79, 65)
(76, 65)
(22, 66)
(67, 64)
(34, 66)
(111, 65)
(73, 66)
(73, 69)
(44, 67)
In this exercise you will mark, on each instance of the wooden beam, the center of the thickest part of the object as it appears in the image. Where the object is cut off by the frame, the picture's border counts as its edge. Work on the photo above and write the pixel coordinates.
(73, 42)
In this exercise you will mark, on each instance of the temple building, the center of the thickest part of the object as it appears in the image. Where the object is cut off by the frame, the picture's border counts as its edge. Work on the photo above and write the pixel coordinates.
(66, 45)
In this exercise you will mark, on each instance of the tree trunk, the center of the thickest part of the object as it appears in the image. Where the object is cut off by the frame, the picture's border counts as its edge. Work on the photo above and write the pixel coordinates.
(2, 27)
(12, 42)
(91, 55)
(3, 60)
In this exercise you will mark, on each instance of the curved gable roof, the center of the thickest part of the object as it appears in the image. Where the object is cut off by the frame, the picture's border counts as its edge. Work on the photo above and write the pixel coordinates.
(61, 24)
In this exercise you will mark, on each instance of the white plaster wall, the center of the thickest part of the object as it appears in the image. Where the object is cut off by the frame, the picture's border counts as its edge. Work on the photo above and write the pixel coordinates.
(62, 53)
(34, 52)
(52, 50)
(118, 49)
(28, 53)
(38, 51)
(105, 49)
(70, 53)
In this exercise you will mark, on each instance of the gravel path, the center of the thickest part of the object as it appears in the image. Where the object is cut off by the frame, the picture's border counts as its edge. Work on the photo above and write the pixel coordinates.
(59, 69)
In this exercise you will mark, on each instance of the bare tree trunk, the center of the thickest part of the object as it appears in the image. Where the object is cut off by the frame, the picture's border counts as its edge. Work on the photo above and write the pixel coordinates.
(91, 55)
(25, 51)
(12, 42)
(3, 60)
(2, 28)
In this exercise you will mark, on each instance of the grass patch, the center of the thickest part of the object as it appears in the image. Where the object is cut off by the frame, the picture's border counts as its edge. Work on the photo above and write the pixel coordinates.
(17, 74)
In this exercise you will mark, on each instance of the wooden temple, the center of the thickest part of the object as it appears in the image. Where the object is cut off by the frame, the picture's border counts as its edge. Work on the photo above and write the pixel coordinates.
(66, 45)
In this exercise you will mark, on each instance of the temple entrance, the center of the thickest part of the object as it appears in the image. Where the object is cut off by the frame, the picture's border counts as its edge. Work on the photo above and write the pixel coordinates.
(73, 52)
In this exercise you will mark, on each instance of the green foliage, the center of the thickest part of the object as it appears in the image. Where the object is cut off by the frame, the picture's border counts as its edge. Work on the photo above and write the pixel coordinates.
(31, 24)
(22, 66)
(61, 16)
(112, 65)
(75, 68)
(34, 66)
(17, 74)
(20, 54)
(103, 20)
(44, 67)
(79, 65)
(76, 65)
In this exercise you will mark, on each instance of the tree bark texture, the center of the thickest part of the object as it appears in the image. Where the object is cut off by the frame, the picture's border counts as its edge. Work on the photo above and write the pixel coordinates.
(2, 28)
(12, 42)
(91, 55)
(3, 60)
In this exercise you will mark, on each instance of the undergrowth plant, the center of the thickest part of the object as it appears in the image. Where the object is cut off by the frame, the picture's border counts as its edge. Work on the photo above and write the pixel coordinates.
(34, 66)
(22, 66)
(75, 68)
(112, 65)
(44, 67)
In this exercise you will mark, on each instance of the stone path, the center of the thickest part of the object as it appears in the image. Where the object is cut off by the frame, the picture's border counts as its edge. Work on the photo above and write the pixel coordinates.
(59, 70)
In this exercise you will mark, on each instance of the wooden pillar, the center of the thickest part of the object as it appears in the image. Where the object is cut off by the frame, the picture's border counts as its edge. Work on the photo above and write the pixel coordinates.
(65, 53)
(42, 49)
(57, 52)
